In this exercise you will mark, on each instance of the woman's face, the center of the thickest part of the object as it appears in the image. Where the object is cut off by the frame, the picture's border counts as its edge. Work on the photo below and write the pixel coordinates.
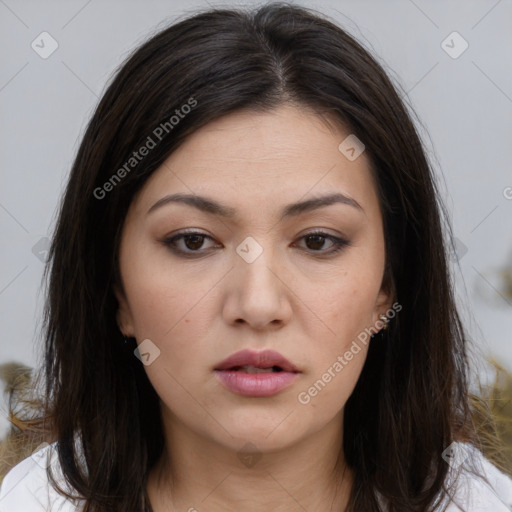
(252, 279)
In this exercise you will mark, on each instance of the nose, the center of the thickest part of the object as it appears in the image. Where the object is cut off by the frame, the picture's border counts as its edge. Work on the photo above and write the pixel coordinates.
(258, 291)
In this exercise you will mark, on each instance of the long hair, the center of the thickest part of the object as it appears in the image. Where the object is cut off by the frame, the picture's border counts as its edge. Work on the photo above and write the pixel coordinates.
(411, 400)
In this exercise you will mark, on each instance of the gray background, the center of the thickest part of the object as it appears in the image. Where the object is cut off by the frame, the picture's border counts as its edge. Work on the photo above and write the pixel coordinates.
(464, 104)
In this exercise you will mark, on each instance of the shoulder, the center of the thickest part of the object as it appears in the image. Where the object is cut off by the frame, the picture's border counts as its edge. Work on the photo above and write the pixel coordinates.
(26, 487)
(471, 492)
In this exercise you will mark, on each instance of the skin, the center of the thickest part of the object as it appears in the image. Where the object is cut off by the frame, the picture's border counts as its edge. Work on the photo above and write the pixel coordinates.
(200, 310)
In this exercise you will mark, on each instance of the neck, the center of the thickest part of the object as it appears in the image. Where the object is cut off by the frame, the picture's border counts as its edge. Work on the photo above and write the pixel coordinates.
(196, 474)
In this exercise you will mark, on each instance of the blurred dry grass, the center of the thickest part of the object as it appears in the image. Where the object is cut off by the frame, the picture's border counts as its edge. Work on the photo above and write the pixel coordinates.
(18, 444)
(496, 398)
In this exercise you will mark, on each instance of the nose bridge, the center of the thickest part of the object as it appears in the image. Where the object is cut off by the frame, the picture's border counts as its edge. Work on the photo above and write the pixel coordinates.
(259, 296)
(256, 258)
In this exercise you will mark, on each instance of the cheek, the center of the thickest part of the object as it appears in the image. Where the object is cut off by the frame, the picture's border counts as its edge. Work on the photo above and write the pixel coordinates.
(176, 322)
(154, 306)
(337, 356)
(344, 305)
(325, 395)
(174, 311)
(159, 294)
(351, 309)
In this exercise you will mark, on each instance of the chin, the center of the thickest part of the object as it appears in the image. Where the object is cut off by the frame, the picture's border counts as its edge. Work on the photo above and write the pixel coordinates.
(267, 434)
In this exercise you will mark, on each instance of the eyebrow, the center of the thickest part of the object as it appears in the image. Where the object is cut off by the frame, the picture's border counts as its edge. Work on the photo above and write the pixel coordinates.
(212, 207)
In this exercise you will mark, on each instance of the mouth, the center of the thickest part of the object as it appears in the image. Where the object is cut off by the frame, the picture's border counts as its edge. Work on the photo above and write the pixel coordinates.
(256, 374)
(254, 369)
(249, 361)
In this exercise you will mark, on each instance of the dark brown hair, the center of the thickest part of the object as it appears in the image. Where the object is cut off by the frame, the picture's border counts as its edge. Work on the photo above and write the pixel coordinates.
(411, 400)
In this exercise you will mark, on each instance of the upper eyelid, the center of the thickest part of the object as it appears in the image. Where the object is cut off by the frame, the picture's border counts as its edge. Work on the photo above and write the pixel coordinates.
(313, 231)
(335, 239)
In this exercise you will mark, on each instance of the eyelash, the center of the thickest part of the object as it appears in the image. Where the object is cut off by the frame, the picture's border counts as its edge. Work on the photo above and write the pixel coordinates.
(339, 243)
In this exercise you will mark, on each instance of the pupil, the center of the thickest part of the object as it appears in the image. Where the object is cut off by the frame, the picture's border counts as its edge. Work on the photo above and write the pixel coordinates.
(197, 238)
(317, 238)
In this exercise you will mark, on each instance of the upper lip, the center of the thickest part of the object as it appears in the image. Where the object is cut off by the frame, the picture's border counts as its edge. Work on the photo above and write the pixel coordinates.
(263, 359)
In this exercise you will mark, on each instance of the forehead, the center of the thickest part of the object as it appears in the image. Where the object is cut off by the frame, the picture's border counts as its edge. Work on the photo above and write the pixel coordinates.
(254, 157)
(286, 134)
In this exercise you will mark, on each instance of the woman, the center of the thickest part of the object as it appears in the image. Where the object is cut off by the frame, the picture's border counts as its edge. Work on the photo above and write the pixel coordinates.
(249, 304)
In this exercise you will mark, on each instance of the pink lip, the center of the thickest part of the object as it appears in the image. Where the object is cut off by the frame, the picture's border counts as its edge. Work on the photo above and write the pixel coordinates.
(263, 359)
(256, 384)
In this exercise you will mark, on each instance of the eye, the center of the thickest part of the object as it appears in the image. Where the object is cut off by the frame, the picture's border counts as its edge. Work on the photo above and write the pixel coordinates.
(315, 240)
(193, 242)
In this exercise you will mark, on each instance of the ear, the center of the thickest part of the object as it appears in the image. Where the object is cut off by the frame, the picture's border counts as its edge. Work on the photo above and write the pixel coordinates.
(384, 300)
(124, 315)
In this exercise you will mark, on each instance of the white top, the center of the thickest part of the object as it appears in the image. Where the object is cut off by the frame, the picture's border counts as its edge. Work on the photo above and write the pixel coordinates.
(26, 487)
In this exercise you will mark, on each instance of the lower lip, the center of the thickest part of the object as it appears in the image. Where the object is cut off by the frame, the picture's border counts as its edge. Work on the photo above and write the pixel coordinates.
(256, 384)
